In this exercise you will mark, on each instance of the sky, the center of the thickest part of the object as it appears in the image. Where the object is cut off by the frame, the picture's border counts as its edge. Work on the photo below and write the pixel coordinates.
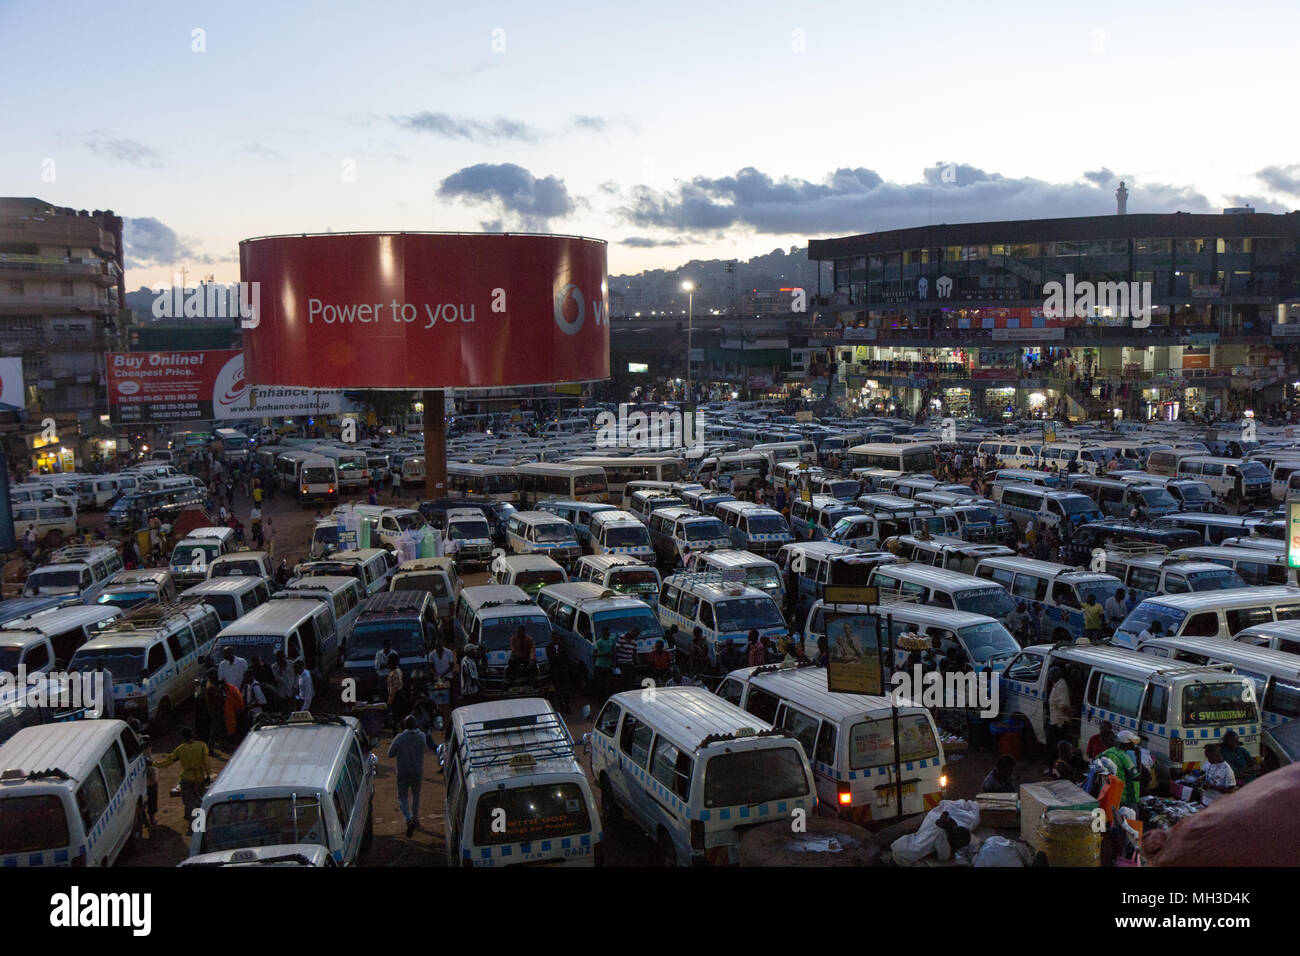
(675, 131)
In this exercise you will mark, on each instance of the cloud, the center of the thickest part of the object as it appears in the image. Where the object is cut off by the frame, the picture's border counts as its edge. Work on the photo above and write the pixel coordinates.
(596, 124)
(1100, 177)
(854, 200)
(513, 190)
(1260, 204)
(262, 151)
(151, 243)
(473, 130)
(645, 242)
(1283, 179)
(123, 150)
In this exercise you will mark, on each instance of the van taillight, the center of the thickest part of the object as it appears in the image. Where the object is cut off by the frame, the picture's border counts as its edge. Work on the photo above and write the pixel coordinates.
(697, 834)
(846, 797)
(1175, 750)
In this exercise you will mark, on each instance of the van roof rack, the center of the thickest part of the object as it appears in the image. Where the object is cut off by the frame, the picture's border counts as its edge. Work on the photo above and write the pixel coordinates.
(297, 718)
(153, 613)
(536, 736)
(1136, 548)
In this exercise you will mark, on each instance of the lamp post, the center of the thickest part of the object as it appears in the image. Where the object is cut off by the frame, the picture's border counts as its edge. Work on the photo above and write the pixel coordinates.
(689, 288)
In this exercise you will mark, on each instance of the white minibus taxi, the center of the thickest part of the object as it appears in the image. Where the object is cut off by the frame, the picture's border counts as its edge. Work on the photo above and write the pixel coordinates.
(1277, 636)
(71, 794)
(620, 532)
(516, 795)
(848, 739)
(1275, 674)
(1215, 614)
(694, 772)
(621, 573)
(295, 779)
(724, 611)
(1178, 709)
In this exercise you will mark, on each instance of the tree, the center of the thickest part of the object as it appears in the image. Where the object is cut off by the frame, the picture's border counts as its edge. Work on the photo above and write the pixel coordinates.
(387, 405)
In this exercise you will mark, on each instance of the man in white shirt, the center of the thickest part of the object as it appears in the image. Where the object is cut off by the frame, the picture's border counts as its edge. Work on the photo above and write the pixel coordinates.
(305, 689)
(105, 677)
(232, 668)
(1152, 630)
(1060, 710)
(1116, 609)
(254, 700)
(381, 662)
(441, 661)
(1219, 778)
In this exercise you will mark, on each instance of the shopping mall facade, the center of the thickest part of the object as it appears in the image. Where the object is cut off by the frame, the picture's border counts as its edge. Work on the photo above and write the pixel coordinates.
(1002, 316)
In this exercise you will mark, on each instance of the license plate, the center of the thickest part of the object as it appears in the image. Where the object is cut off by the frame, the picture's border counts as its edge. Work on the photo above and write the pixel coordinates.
(888, 792)
(1249, 738)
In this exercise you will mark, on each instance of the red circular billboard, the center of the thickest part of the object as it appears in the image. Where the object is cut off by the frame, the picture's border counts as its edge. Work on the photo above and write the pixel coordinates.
(424, 310)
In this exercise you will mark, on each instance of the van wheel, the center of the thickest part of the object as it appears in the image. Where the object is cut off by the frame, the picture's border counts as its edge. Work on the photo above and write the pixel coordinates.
(162, 718)
(609, 808)
(368, 836)
(665, 852)
(53, 538)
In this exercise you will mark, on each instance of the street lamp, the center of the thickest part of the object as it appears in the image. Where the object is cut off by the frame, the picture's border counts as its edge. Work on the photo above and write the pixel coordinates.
(689, 288)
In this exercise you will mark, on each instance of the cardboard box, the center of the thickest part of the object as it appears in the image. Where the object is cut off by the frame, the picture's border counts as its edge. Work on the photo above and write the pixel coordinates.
(1037, 798)
(999, 810)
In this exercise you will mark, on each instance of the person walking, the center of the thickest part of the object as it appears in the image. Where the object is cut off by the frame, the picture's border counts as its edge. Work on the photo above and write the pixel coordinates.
(304, 689)
(284, 683)
(757, 653)
(1093, 617)
(396, 692)
(602, 660)
(195, 772)
(625, 657)
(409, 747)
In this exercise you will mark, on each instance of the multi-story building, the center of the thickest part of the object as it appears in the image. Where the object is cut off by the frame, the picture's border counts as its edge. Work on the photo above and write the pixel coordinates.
(994, 316)
(61, 303)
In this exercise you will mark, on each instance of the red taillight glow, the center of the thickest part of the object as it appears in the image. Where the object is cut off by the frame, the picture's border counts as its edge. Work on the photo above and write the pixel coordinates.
(846, 798)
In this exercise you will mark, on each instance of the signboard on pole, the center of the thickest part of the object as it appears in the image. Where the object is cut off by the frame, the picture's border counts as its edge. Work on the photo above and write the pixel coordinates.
(853, 641)
(1293, 534)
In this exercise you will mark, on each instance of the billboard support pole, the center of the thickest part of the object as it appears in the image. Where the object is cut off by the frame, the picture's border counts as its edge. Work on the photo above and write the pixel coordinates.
(435, 444)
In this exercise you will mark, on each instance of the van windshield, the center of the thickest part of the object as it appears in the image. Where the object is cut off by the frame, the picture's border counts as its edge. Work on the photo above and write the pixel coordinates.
(540, 812)
(1077, 504)
(771, 524)
(65, 581)
(871, 742)
(554, 531)
(988, 642)
(1218, 703)
(741, 614)
(620, 622)
(327, 534)
(1254, 470)
(237, 569)
(368, 638)
(464, 530)
(763, 577)
(498, 631)
(32, 824)
(705, 530)
(126, 664)
(1142, 616)
(1157, 498)
(431, 581)
(627, 537)
(1215, 580)
(1195, 491)
(127, 599)
(224, 605)
(534, 581)
(266, 822)
(637, 578)
(183, 554)
(745, 778)
(991, 602)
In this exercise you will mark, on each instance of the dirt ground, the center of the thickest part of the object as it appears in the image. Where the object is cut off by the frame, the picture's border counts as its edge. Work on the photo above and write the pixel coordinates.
(289, 528)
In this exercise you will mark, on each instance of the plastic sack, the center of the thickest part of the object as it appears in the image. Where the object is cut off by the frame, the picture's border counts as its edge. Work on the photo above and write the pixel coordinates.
(914, 847)
(1000, 851)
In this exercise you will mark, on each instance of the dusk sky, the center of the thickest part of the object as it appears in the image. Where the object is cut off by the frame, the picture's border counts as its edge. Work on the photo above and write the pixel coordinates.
(673, 130)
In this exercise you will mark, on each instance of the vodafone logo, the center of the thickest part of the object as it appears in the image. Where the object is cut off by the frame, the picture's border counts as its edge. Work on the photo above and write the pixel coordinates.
(570, 303)
(231, 388)
(128, 387)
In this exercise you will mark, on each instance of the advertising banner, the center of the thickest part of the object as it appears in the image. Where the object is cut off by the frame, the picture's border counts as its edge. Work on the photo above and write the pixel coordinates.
(854, 664)
(147, 387)
(425, 310)
(11, 383)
